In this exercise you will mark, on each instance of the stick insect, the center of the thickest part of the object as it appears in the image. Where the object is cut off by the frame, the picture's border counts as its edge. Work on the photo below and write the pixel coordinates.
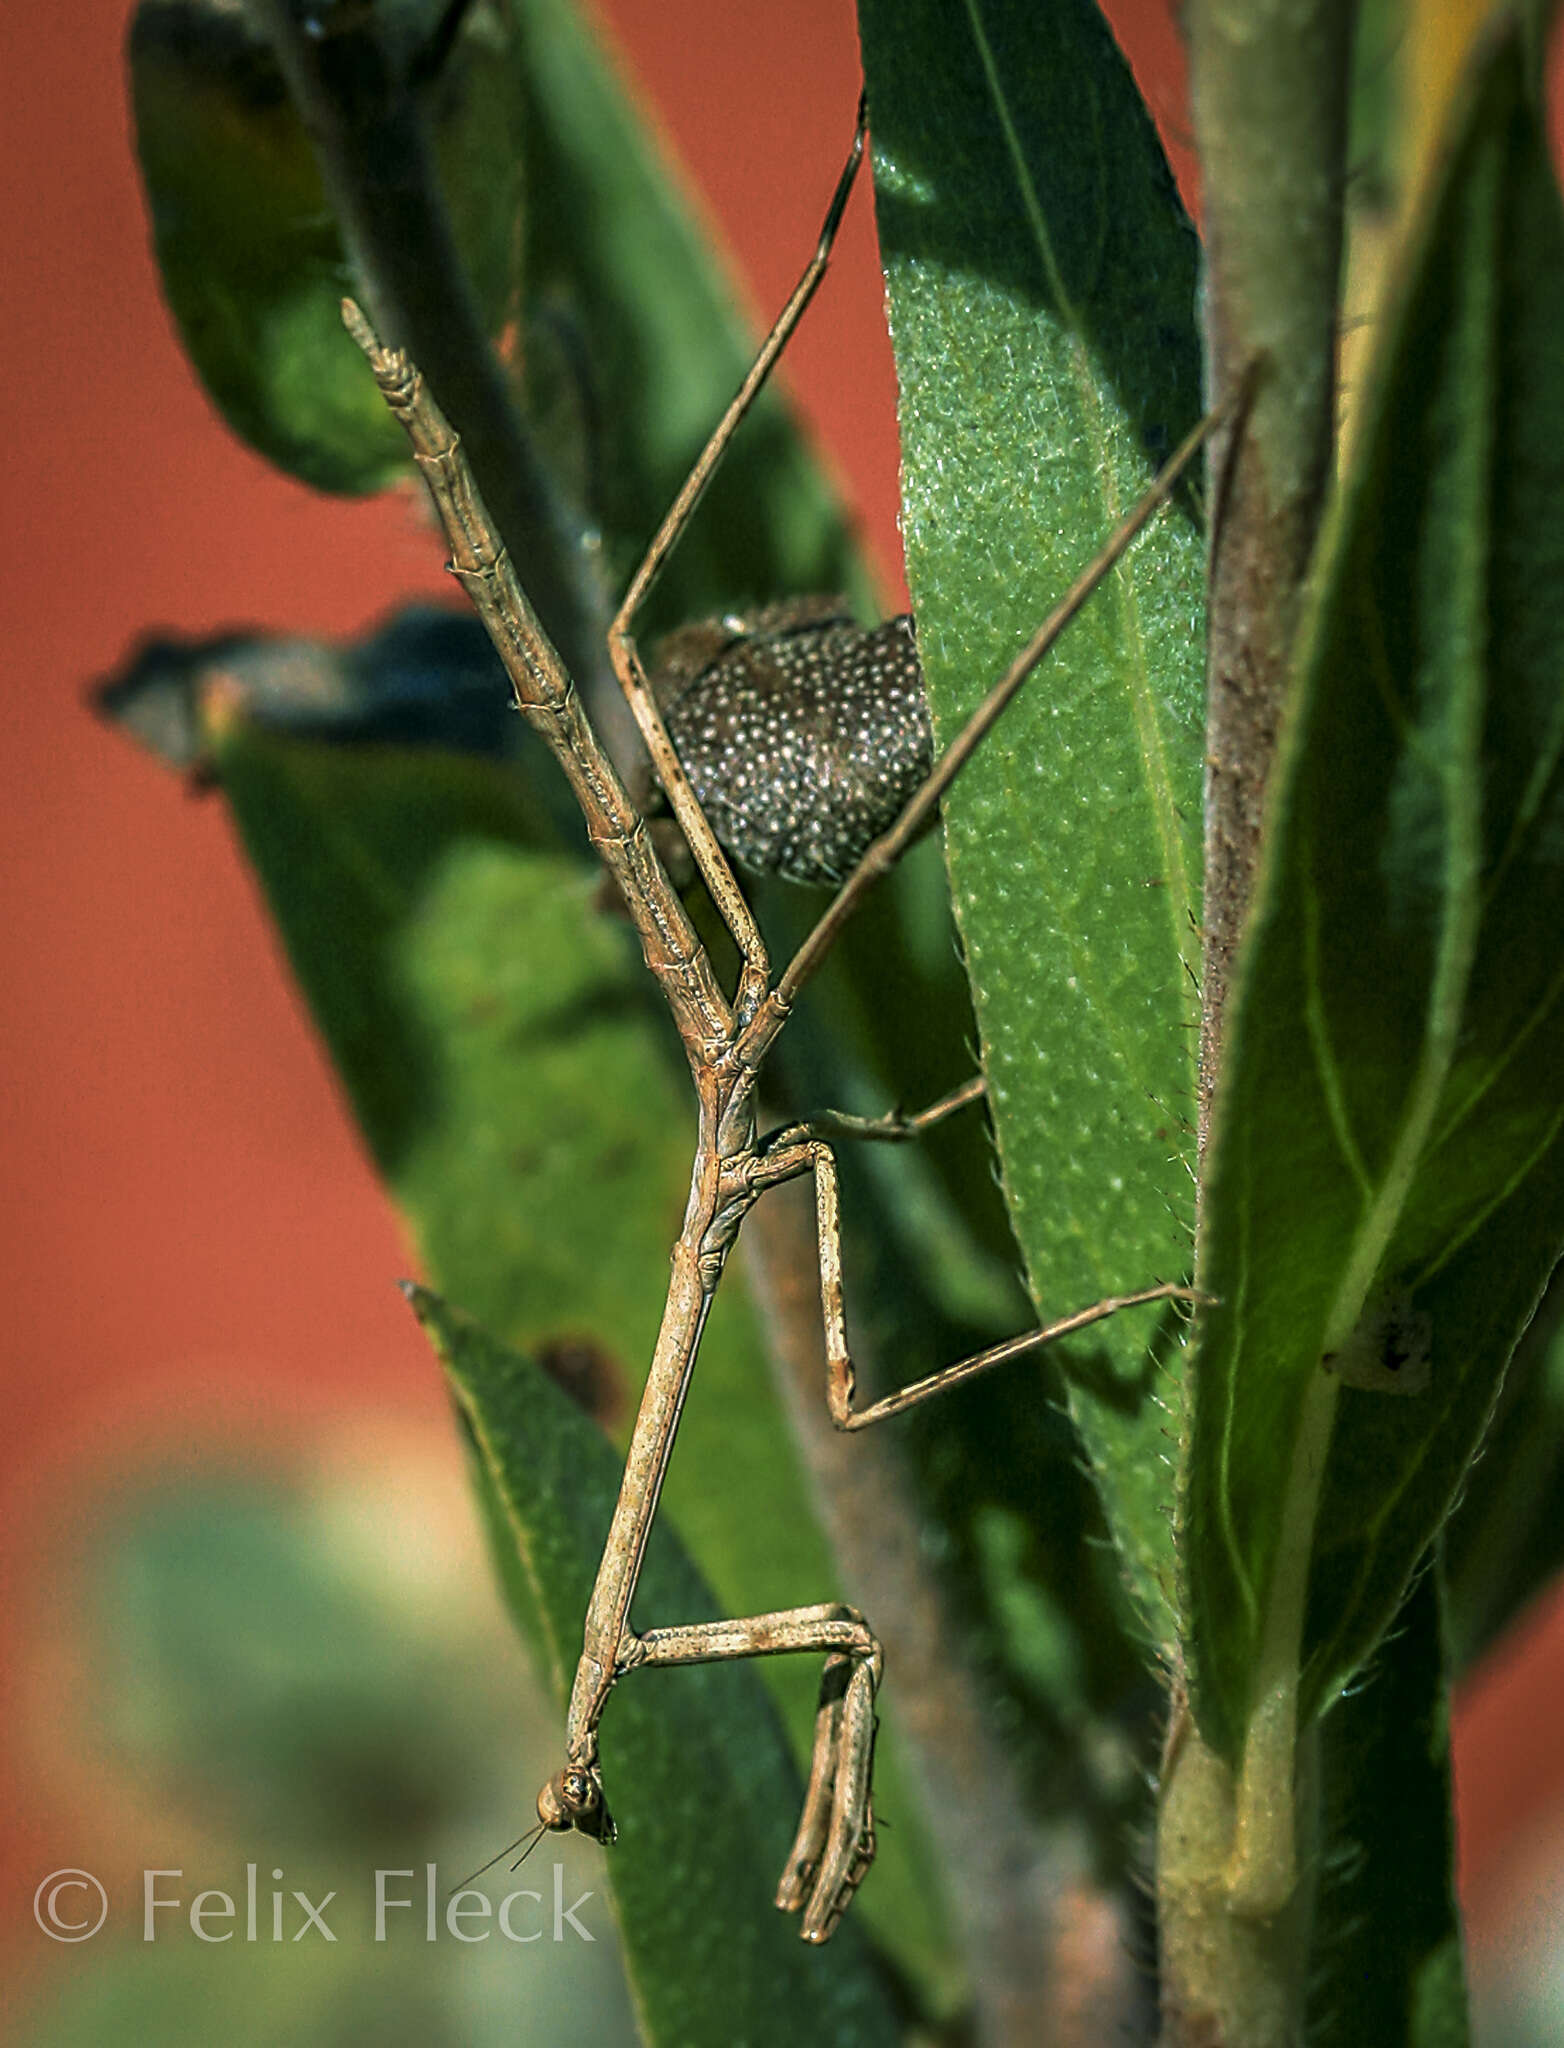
(726, 1041)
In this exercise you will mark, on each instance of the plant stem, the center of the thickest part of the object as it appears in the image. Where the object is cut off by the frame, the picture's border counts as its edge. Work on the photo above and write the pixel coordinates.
(1264, 1864)
(1230, 1979)
(364, 119)
(1268, 84)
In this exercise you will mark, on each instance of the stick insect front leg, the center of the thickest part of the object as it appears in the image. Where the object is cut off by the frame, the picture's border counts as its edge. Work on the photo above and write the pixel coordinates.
(709, 856)
(725, 1043)
(834, 1845)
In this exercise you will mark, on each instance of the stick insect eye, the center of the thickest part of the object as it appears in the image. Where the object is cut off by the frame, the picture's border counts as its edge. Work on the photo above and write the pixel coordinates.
(573, 1798)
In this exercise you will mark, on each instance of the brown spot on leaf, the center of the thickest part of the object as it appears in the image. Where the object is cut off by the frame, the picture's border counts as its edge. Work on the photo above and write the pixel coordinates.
(589, 1373)
(1390, 1351)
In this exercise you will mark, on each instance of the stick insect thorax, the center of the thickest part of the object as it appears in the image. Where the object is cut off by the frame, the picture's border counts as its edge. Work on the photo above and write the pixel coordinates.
(726, 1043)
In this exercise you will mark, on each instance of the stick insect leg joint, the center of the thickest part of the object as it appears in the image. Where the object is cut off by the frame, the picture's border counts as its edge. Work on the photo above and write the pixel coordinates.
(834, 1844)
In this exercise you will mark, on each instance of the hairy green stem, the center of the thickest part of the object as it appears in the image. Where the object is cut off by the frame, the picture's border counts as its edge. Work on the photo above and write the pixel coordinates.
(1264, 1865)
(1269, 82)
(1229, 1976)
(1268, 85)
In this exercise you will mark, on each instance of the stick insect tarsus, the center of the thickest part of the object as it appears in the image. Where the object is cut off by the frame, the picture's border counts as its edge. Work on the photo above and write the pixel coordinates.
(726, 1043)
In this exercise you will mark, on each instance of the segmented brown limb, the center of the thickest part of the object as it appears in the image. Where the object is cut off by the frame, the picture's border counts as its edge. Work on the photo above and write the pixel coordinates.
(789, 1161)
(834, 1845)
(895, 1128)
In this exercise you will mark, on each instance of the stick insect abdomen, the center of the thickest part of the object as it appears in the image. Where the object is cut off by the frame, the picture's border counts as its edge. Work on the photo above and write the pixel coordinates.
(803, 734)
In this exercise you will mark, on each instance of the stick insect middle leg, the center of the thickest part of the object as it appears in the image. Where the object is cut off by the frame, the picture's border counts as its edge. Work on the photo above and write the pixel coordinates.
(789, 1156)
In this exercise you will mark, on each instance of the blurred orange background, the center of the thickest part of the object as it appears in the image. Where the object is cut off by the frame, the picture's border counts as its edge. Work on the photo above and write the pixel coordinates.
(198, 1260)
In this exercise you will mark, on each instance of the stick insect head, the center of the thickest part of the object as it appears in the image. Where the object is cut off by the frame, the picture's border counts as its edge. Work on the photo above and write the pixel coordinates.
(573, 1798)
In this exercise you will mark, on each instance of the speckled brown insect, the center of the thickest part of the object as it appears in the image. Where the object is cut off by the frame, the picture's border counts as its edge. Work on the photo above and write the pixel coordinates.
(726, 1040)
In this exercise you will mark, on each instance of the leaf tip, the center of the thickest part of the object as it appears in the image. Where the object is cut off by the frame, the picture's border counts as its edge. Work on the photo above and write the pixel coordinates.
(425, 1304)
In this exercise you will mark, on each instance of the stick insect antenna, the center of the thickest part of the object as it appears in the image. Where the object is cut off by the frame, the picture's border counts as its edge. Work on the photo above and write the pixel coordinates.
(532, 1837)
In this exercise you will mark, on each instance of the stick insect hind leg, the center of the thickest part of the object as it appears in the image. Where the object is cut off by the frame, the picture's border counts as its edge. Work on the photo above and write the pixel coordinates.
(726, 1044)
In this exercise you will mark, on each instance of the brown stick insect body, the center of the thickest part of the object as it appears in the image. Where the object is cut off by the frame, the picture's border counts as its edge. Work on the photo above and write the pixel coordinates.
(726, 1044)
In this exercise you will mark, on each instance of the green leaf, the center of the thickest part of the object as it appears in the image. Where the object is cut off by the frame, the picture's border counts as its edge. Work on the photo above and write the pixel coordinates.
(1386, 1179)
(1041, 277)
(1388, 1964)
(694, 1761)
(520, 1088)
(252, 263)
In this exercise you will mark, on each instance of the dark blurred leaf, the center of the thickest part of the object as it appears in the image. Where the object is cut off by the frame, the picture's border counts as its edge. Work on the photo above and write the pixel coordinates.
(1386, 1179)
(629, 340)
(426, 678)
(1388, 1942)
(246, 1669)
(694, 1763)
(1042, 280)
(252, 262)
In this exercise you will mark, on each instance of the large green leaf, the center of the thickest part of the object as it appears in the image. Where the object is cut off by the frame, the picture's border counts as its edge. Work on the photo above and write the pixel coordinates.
(1042, 277)
(695, 1765)
(1386, 1182)
(521, 1091)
